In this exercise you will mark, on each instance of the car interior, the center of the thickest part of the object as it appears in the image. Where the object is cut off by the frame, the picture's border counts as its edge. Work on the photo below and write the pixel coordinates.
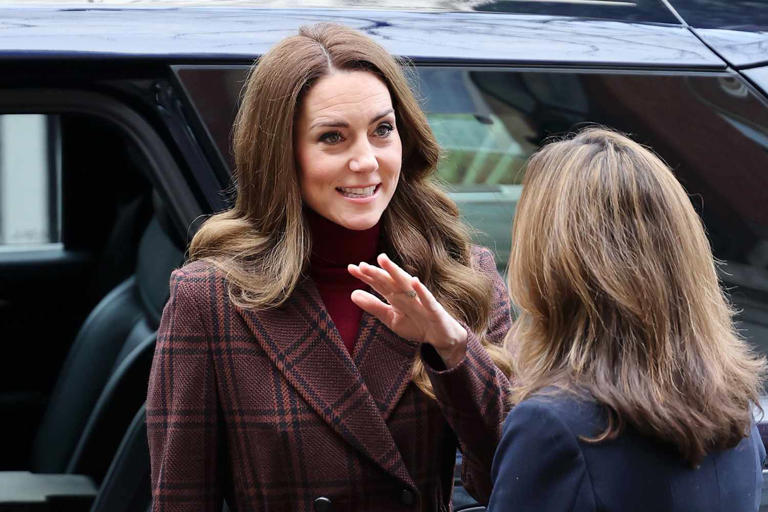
(83, 307)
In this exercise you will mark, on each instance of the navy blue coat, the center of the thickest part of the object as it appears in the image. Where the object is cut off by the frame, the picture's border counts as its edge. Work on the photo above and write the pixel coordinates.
(541, 465)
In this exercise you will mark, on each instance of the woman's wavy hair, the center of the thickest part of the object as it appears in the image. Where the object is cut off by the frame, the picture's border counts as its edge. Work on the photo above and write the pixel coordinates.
(263, 243)
(619, 298)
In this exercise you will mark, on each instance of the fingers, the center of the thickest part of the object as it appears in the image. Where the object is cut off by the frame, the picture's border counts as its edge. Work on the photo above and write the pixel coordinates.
(397, 274)
(425, 296)
(374, 277)
(395, 284)
(371, 304)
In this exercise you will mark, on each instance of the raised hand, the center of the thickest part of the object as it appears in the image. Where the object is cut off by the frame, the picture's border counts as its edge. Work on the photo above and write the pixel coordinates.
(411, 310)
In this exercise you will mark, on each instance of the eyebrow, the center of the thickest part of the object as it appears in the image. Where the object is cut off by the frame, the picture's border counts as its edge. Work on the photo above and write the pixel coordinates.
(344, 124)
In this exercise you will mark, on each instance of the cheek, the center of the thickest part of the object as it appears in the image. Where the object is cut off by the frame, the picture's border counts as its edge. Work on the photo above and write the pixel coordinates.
(317, 171)
(394, 162)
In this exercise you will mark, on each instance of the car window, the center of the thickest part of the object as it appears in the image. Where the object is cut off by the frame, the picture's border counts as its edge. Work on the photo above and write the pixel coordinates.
(30, 181)
(710, 128)
(213, 93)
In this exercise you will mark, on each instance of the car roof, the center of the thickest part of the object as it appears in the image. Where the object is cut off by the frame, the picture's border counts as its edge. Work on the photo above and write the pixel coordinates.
(656, 11)
(750, 15)
(242, 33)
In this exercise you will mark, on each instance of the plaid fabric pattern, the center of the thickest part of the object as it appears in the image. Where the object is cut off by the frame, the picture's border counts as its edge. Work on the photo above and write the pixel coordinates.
(268, 409)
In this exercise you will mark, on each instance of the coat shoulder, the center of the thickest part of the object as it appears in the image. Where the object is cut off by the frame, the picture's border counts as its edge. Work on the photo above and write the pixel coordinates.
(197, 279)
(197, 271)
(549, 414)
(581, 415)
(196, 268)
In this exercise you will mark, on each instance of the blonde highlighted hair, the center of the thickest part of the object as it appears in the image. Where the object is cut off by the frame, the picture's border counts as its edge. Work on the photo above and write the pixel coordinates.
(263, 243)
(619, 297)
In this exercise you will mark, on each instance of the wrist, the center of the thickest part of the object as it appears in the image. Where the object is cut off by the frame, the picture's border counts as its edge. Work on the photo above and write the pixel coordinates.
(453, 347)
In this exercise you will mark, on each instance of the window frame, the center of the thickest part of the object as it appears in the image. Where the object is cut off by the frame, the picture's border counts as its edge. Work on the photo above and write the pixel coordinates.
(163, 171)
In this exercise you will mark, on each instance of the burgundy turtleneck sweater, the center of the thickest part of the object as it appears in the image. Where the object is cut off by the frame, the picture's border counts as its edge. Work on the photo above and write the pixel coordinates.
(333, 248)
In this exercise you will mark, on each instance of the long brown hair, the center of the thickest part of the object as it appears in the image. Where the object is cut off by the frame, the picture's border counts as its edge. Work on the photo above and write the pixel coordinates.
(619, 297)
(263, 243)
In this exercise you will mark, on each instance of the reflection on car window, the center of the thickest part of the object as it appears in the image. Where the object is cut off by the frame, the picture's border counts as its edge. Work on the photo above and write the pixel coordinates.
(29, 181)
(477, 150)
(710, 128)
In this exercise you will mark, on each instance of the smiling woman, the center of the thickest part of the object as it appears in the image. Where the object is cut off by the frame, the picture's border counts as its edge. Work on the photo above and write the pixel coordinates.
(296, 370)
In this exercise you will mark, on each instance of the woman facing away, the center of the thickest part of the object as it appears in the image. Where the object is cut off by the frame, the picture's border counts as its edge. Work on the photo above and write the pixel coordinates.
(633, 388)
(278, 386)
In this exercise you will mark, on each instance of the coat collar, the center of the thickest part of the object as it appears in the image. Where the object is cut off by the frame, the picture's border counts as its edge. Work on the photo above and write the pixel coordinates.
(353, 394)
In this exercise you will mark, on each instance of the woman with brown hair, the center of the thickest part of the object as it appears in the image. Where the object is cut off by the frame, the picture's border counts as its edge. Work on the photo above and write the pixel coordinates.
(633, 389)
(276, 383)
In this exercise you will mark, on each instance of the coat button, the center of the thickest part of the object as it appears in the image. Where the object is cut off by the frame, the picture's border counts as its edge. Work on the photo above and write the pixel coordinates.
(322, 504)
(407, 497)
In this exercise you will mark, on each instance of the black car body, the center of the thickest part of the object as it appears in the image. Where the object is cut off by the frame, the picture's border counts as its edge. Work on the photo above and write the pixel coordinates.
(114, 145)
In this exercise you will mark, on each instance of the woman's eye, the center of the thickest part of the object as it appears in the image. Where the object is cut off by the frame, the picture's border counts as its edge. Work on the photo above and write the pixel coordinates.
(331, 138)
(383, 130)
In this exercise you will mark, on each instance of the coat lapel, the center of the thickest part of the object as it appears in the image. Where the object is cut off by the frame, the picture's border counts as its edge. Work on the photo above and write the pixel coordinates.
(303, 343)
(385, 361)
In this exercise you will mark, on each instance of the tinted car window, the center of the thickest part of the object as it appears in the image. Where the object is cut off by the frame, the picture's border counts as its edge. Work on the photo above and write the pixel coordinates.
(214, 93)
(710, 128)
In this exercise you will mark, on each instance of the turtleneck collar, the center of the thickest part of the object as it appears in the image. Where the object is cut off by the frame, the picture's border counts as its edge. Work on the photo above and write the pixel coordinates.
(336, 246)
(333, 248)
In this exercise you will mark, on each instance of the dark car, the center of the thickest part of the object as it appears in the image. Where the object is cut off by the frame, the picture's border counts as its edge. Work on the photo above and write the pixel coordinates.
(114, 145)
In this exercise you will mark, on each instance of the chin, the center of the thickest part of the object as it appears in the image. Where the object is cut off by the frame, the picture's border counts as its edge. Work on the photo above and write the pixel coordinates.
(360, 223)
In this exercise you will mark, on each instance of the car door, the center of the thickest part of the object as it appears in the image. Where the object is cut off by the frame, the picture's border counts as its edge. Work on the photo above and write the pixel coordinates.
(85, 163)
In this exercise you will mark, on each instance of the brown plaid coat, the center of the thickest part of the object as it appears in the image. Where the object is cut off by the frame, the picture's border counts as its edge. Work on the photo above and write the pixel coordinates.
(268, 409)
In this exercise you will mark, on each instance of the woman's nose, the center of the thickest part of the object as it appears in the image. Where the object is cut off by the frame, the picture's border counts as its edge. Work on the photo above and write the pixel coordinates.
(363, 158)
